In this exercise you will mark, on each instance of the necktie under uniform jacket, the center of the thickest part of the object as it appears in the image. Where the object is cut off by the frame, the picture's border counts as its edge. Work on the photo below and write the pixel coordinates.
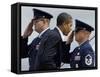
(45, 52)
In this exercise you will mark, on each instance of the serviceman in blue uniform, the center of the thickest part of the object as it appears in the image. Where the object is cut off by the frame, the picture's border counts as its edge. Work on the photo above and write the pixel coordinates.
(39, 51)
(83, 56)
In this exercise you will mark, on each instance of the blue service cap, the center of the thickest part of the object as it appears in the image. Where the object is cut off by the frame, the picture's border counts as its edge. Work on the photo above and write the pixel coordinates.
(79, 25)
(41, 14)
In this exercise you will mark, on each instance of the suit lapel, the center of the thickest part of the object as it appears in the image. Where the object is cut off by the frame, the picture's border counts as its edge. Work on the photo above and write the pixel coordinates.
(56, 30)
(41, 47)
(44, 37)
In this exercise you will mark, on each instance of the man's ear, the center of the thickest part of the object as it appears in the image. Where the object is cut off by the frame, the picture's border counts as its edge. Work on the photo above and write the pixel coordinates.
(64, 23)
(61, 28)
(88, 33)
(45, 20)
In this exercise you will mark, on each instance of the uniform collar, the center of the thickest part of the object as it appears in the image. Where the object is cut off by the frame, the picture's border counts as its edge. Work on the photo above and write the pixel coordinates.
(83, 43)
(43, 32)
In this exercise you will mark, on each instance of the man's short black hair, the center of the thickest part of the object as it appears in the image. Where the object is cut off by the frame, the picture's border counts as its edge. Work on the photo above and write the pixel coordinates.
(62, 18)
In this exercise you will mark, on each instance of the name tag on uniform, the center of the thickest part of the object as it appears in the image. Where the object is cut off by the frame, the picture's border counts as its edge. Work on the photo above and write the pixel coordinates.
(77, 58)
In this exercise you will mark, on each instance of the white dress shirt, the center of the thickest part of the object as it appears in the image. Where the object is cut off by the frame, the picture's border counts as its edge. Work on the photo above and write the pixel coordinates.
(63, 37)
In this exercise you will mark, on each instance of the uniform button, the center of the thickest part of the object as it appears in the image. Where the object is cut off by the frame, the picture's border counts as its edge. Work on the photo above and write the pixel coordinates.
(79, 48)
(78, 53)
(76, 65)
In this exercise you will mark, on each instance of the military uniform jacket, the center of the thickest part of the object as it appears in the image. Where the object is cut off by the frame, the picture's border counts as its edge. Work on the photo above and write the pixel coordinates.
(44, 53)
(82, 56)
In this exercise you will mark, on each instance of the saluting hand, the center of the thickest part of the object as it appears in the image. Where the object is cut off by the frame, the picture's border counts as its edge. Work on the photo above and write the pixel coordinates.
(29, 29)
(70, 37)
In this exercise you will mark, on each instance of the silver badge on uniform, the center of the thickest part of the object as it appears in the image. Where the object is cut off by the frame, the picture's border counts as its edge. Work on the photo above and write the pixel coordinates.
(88, 59)
(37, 46)
(77, 57)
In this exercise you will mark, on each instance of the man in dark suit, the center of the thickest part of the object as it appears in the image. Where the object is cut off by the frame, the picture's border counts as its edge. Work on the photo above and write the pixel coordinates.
(63, 31)
(83, 55)
(42, 50)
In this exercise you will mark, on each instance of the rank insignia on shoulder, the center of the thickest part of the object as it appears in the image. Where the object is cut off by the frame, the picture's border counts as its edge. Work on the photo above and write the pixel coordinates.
(88, 59)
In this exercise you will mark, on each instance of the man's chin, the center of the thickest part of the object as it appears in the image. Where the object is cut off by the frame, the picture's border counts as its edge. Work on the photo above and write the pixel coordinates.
(65, 34)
